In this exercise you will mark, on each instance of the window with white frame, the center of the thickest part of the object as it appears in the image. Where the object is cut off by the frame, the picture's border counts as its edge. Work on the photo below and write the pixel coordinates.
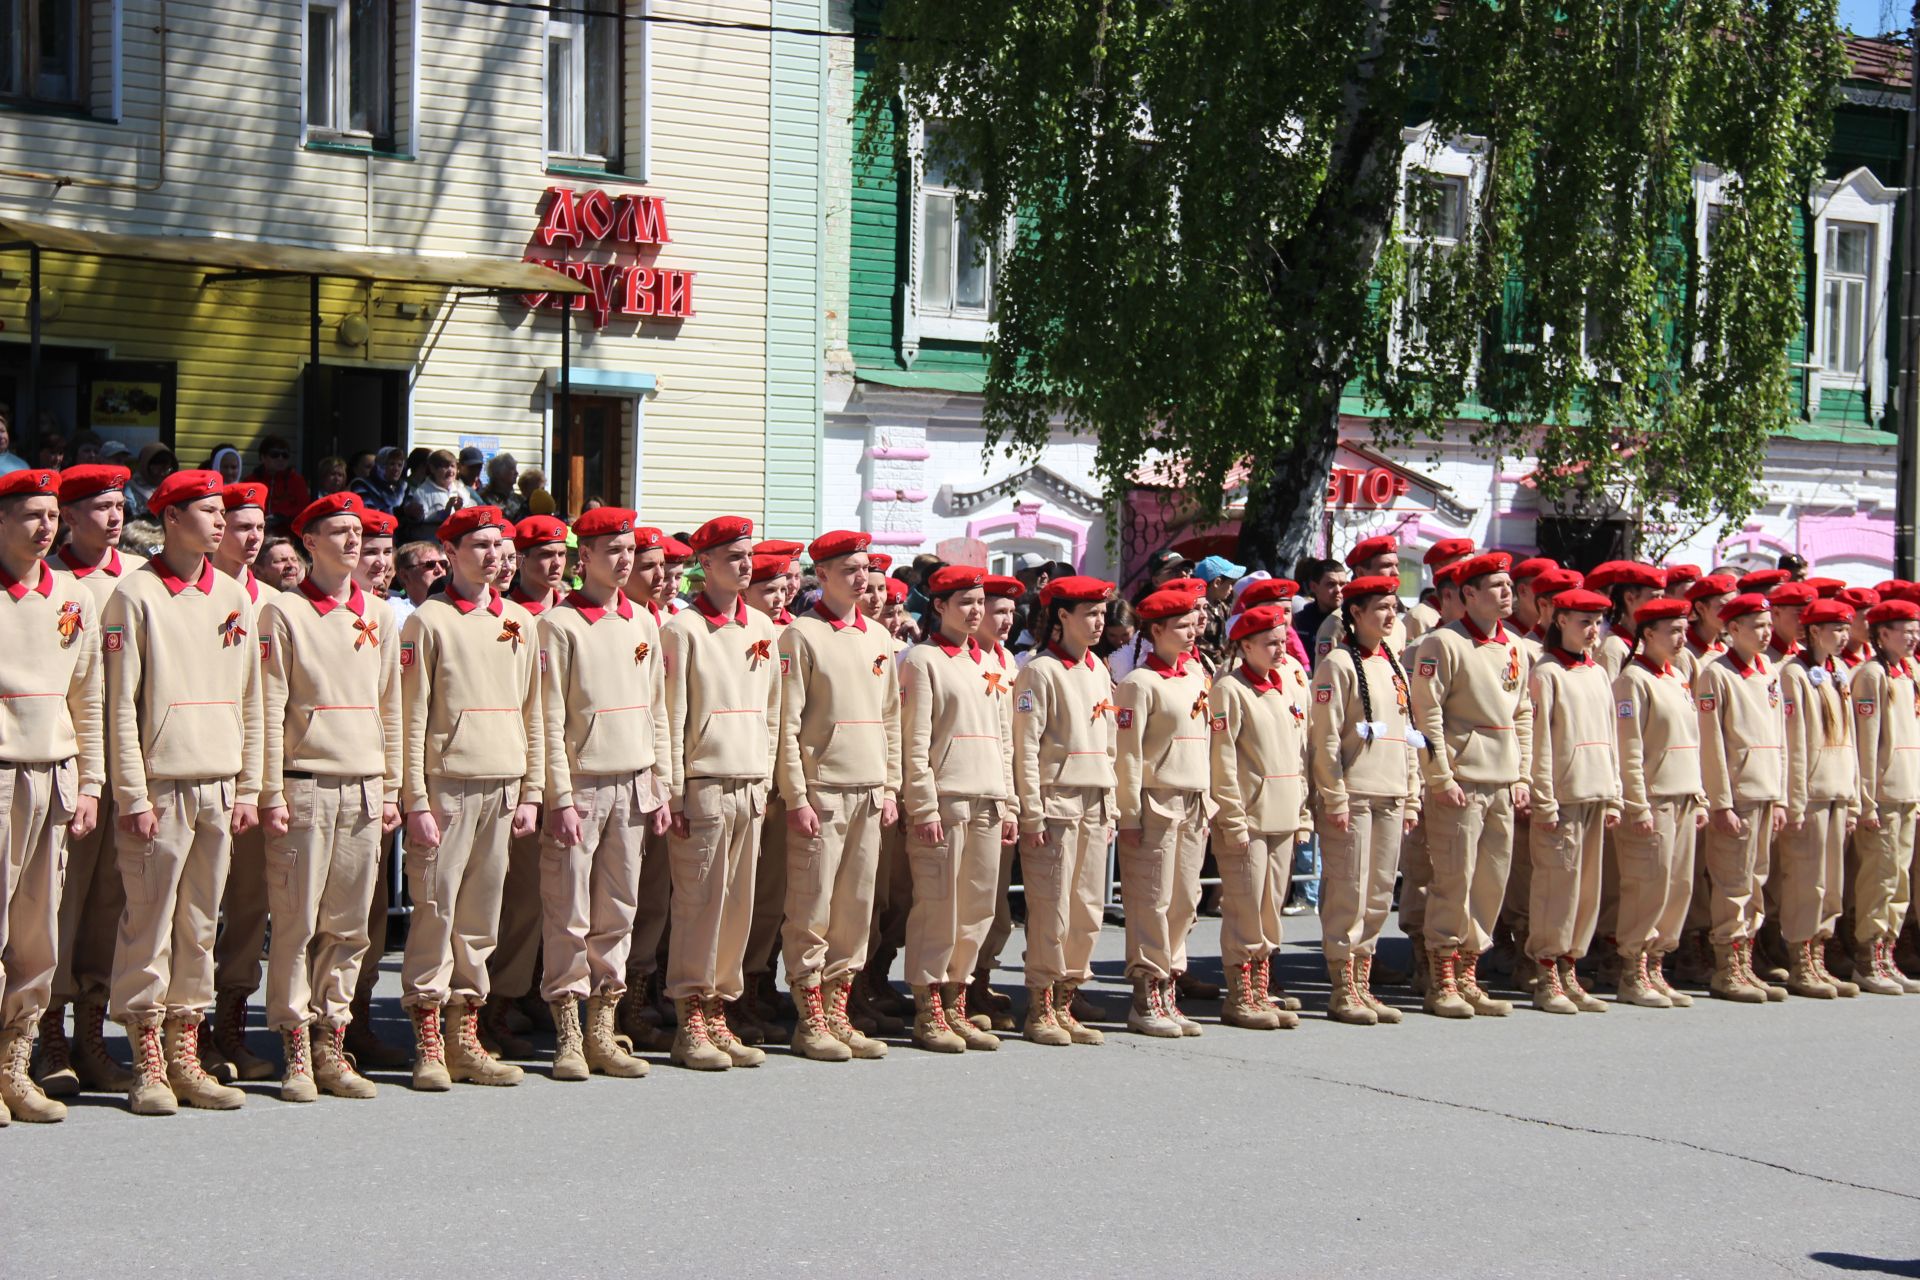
(584, 90)
(44, 56)
(1845, 286)
(350, 56)
(1440, 181)
(953, 260)
(1852, 235)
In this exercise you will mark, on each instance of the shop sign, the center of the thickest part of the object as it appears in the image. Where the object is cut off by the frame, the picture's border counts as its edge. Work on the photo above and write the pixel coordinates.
(624, 225)
(1373, 487)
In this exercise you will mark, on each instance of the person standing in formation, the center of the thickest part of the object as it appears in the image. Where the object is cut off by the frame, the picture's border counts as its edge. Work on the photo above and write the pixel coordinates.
(1543, 587)
(1362, 748)
(1424, 617)
(839, 767)
(1627, 585)
(331, 676)
(768, 593)
(1376, 557)
(996, 625)
(474, 745)
(1886, 704)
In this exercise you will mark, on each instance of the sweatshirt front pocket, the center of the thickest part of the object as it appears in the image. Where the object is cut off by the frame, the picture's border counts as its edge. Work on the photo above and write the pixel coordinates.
(854, 754)
(350, 738)
(607, 745)
(486, 742)
(970, 764)
(196, 740)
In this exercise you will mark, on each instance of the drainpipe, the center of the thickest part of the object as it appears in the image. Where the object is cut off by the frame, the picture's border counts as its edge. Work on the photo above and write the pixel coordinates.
(1909, 429)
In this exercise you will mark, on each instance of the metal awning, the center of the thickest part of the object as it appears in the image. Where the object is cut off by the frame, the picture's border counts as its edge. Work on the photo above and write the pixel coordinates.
(252, 258)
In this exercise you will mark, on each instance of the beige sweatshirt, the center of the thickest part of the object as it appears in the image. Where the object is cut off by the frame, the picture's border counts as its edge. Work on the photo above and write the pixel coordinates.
(1575, 757)
(839, 706)
(1063, 726)
(723, 695)
(1743, 732)
(1887, 706)
(51, 688)
(1359, 746)
(1161, 735)
(330, 684)
(1657, 733)
(102, 579)
(957, 725)
(1260, 753)
(470, 688)
(1470, 702)
(183, 685)
(603, 695)
(1822, 764)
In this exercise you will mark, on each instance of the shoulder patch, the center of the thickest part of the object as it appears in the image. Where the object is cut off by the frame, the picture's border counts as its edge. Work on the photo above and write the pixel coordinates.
(1626, 710)
(1707, 702)
(114, 639)
(1863, 707)
(543, 660)
(1789, 706)
(266, 648)
(1323, 695)
(1025, 701)
(408, 653)
(1219, 724)
(1124, 716)
(786, 664)
(1428, 668)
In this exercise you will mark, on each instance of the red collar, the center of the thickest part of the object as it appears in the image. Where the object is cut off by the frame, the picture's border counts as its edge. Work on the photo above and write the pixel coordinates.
(593, 612)
(654, 609)
(1664, 669)
(1262, 683)
(324, 604)
(1783, 651)
(711, 612)
(252, 585)
(1569, 660)
(1700, 642)
(465, 606)
(535, 605)
(1854, 657)
(1902, 669)
(203, 583)
(1085, 659)
(782, 619)
(1169, 669)
(853, 620)
(111, 563)
(1759, 667)
(1499, 635)
(18, 589)
(951, 649)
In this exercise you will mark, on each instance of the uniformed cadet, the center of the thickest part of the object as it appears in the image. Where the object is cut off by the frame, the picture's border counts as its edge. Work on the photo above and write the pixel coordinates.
(1859, 645)
(673, 571)
(769, 592)
(1886, 704)
(1628, 584)
(1823, 798)
(1471, 705)
(1063, 749)
(507, 576)
(1546, 587)
(1693, 961)
(93, 512)
(1365, 777)
(52, 766)
(1165, 776)
(1526, 610)
(239, 954)
(1574, 786)
(1788, 602)
(724, 719)
(1376, 557)
(1424, 617)
(474, 768)
(539, 548)
(1680, 577)
(331, 690)
(957, 742)
(1258, 759)
(839, 767)
(184, 754)
(604, 698)
(1657, 734)
(1743, 761)
(996, 625)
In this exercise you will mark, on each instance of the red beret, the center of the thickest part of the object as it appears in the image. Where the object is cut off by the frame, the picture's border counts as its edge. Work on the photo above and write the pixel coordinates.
(1679, 573)
(1908, 591)
(26, 484)
(778, 547)
(1893, 611)
(248, 493)
(676, 550)
(1447, 549)
(1368, 548)
(535, 531)
(719, 531)
(647, 538)
(602, 522)
(88, 479)
(896, 589)
(1254, 621)
(950, 578)
(1581, 601)
(1076, 589)
(1273, 591)
(1660, 610)
(1192, 586)
(1527, 570)
(1762, 579)
(1552, 582)
(1890, 585)
(999, 584)
(1483, 565)
(1165, 604)
(334, 504)
(1379, 584)
(1792, 595)
(1625, 573)
(1826, 611)
(1714, 584)
(377, 524)
(770, 565)
(1743, 604)
(1828, 588)
(470, 520)
(184, 486)
(1449, 575)
(879, 562)
(1859, 597)
(841, 542)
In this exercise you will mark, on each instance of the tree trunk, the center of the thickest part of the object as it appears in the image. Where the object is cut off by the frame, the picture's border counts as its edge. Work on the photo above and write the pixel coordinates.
(1285, 507)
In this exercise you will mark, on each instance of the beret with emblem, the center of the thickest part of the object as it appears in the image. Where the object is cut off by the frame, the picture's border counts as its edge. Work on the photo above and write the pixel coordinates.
(184, 486)
(1859, 597)
(1893, 611)
(248, 493)
(1548, 585)
(770, 565)
(1076, 589)
(1254, 621)
(1482, 566)
(1447, 549)
(1714, 584)
(1268, 591)
(999, 584)
(779, 547)
(602, 522)
(1660, 610)
(1581, 601)
(1743, 604)
(1626, 573)
(1678, 574)
(840, 542)
(896, 590)
(1763, 579)
(334, 504)
(377, 524)
(719, 531)
(1191, 586)
(1448, 575)
(1368, 548)
(470, 520)
(1379, 584)
(535, 531)
(88, 479)
(1532, 567)
(1792, 595)
(1164, 604)
(646, 537)
(27, 484)
(1826, 611)
(879, 562)
(1828, 588)
(950, 578)
(676, 550)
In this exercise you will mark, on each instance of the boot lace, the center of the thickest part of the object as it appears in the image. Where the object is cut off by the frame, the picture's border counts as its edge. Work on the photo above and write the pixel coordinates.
(426, 1028)
(1449, 985)
(149, 1057)
(1466, 980)
(1354, 992)
(717, 1029)
(1570, 979)
(189, 1064)
(957, 1014)
(299, 1054)
(817, 1019)
(1170, 1000)
(837, 1021)
(1266, 996)
(1249, 996)
(1046, 1017)
(697, 1022)
(1550, 974)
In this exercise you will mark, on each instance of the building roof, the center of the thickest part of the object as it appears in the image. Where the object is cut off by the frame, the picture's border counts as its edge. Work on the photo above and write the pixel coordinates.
(1880, 61)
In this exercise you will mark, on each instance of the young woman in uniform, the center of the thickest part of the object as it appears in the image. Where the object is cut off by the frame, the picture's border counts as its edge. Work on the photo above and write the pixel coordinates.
(1823, 797)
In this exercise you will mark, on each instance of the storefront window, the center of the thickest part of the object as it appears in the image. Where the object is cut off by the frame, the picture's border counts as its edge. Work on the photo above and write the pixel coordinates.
(583, 90)
(350, 70)
(43, 51)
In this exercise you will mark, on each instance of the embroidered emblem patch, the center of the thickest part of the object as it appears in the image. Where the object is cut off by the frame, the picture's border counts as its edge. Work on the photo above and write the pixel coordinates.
(786, 664)
(1219, 724)
(1428, 667)
(406, 653)
(1626, 710)
(1125, 718)
(1024, 702)
(1323, 696)
(1708, 703)
(266, 648)
(114, 639)
(1864, 707)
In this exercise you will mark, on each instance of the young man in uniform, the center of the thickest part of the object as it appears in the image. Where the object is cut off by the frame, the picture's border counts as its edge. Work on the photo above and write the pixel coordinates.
(769, 592)
(53, 769)
(1424, 617)
(1374, 557)
(996, 625)
(470, 692)
(540, 543)
(604, 695)
(724, 721)
(641, 1018)
(93, 511)
(1693, 959)
(331, 677)
(876, 1005)
(839, 764)
(185, 741)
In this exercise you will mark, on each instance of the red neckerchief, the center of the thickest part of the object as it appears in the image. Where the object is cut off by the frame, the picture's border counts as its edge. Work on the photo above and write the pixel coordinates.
(1664, 669)
(1699, 642)
(203, 582)
(1085, 659)
(594, 612)
(18, 589)
(1569, 660)
(111, 564)
(951, 649)
(853, 619)
(711, 612)
(533, 605)
(1759, 667)
(465, 606)
(1262, 683)
(1499, 635)
(1169, 669)
(324, 604)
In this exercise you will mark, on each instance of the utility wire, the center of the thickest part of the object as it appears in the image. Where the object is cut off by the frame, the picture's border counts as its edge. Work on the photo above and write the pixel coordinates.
(708, 24)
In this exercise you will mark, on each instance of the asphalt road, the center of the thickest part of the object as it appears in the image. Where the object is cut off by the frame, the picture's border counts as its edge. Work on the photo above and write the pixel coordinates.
(1714, 1141)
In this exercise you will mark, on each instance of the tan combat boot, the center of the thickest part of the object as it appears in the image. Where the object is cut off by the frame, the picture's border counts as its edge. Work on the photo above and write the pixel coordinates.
(21, 1096)
(1443, 998)
(1803, 973)
(1465, 961)
(1064, 994)
(367, 1047)
(1245, 1003)
(987, 1003)
(1657, 979)
(1344, 1002)
(430, 1073)
(1276, 993)
(931, 1030)
(333, 1068)
(863, 1046)
(692, 1048)
(97, 1068)
(812, 1037)
(1867, 973)
(607, 1051)
(190, 1081)
(1729, 982)
(1890, 965)
(468, 1061)
(296, 1082)
(721, 1034)
(230, 1037)
(1841, 987)
(1170, 1005)
(1383, 1012)
(1549, 996)
(1637, 985)
(150, 1095)
(1743, 957)
(1570, 983)
(1042, 1025)
(1145, 1017)
(54, 1069)
(953, 1007)
(569, 1045)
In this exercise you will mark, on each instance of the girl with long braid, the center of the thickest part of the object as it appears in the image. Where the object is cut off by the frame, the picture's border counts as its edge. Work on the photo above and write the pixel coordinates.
(1361, 751)
(1823, 798)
